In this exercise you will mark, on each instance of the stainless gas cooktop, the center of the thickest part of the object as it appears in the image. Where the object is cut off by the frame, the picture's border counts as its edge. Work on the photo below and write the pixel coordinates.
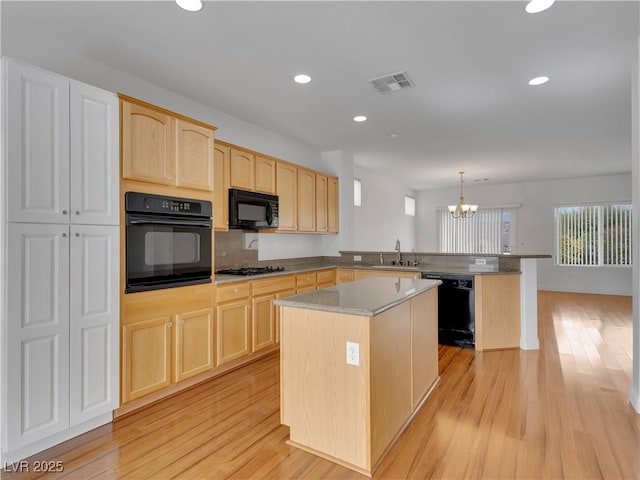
(246, 271)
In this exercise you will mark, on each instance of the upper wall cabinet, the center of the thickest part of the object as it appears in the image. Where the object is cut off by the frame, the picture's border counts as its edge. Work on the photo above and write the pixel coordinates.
(286, 189)
(62, 148)
(306, 200)
(161, 147)
(249, 171)
(332, 205)
(221, 186)
(194, 156)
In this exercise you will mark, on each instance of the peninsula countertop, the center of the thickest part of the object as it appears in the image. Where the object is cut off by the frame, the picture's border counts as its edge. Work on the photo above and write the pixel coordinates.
(367, 297)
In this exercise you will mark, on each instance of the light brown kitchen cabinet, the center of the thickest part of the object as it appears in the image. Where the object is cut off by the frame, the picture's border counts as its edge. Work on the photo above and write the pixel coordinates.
(148, 347)
(265, 175)
(167, 337)
(286, 189)
(360, 274)
(333, 205)
(194, 156)
(193, 342)
(265, 328)
(242, 173)
(162, 147)
(146, 356)
(325, 278)
(221, 186)
(424, 341)
(321, 202)
(344, 275)
(497, 307)
(306, 200)
(306, 282)
(263, 322)
(147, 144)
(283, 293)
(233, 322)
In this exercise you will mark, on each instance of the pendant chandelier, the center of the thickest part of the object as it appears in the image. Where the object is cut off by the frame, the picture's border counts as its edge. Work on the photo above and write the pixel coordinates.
(462, 210)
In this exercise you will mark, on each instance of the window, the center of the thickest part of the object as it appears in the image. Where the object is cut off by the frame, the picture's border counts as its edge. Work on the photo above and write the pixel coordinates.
(490, 230)
(357, 192)
(409, 206)
(593, 235)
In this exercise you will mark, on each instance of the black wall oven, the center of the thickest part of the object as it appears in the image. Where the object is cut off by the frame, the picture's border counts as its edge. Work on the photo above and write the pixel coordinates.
(168, 242)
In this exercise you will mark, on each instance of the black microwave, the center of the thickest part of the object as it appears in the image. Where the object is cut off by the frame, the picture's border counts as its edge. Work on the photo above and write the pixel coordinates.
(252, 210)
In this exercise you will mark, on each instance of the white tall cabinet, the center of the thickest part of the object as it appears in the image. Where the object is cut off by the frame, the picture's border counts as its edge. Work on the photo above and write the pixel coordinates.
(60, 282)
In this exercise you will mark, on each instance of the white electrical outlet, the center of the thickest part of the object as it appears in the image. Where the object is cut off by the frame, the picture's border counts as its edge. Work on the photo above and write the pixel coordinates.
(481, 261)
(353, 353)
(357, 258)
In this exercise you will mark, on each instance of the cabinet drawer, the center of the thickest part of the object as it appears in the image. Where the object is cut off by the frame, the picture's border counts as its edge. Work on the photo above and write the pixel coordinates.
(273, 285)
(345, 276)
(326, 277)
(234, 291)
(306, 280)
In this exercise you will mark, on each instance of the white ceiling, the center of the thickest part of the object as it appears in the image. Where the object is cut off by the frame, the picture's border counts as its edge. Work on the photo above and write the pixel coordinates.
(471, 108)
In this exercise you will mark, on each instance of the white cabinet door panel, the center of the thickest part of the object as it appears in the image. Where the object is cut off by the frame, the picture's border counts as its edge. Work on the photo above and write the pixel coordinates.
(38, 326)
(94, 317)
(94, 155)
(37, 145)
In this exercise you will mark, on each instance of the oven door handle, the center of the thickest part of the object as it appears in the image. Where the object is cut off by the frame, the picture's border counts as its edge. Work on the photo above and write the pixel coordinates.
(186, 222)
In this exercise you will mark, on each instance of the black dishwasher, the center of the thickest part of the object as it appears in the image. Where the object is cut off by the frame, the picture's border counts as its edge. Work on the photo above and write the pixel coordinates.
(456, 309)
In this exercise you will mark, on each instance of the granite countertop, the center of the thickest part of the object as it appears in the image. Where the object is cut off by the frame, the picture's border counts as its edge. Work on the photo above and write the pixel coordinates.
(367, 297)
(220, 279)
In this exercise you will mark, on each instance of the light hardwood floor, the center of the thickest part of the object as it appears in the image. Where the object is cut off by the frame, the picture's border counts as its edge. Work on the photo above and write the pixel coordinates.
(560, 412)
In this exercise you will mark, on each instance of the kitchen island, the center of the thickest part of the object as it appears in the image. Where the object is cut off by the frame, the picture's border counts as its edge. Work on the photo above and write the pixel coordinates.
(357, 362)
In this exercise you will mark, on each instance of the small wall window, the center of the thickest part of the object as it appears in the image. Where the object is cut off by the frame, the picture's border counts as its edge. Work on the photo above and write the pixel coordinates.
(357, 192)
(409, 206)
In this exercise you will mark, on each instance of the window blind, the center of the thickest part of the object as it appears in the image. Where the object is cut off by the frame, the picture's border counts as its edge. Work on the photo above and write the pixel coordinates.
(480, 234)
(593, 235)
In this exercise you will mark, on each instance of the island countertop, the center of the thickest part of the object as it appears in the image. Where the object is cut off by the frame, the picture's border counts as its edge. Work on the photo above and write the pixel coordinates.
(367, 297)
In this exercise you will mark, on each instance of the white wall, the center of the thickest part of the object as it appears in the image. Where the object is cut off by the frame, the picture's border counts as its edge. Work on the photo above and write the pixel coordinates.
(535, 225)
(230, 129)
(381, 219)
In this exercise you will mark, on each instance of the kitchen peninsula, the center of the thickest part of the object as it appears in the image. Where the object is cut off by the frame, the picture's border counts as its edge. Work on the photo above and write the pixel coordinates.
(357, 362)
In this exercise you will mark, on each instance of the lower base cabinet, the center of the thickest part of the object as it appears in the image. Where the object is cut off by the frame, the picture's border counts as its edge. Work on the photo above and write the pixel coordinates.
(265, 315)
(233, 331)
(146, 357)
(193, 355)
(263, 322)
(162, 350)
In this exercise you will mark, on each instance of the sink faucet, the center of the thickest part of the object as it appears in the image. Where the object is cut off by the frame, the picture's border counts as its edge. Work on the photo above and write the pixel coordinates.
(398, 255)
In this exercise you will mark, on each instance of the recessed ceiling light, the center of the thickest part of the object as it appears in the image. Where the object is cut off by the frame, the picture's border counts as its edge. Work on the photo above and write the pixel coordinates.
(393, 135)
(359, 118)
(190, 5)
(538, 81)
(537, 6)
(302, 78)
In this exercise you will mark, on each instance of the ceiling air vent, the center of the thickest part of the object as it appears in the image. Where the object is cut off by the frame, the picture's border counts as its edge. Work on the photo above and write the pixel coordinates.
(392, 83)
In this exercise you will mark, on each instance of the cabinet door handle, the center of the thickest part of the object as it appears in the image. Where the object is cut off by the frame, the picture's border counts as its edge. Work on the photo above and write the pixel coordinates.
(64, 212)
(181, 322)
(235, 290)
(64, 235)
(77, 234)
(169, 177)
(169, 324)
(181, 178)
(77, 212)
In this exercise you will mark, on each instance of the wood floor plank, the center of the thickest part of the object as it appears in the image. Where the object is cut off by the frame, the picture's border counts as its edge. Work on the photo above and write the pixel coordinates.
(559, 412)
